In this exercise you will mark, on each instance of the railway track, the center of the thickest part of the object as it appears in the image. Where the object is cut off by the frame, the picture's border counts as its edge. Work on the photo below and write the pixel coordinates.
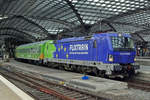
(44, 90)
(139, 84)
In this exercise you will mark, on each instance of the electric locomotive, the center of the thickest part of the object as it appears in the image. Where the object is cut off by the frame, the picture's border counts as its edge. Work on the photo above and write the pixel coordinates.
(105, 54)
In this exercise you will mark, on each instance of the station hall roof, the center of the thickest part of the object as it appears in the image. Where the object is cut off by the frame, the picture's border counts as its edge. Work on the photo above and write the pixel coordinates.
(43, 19)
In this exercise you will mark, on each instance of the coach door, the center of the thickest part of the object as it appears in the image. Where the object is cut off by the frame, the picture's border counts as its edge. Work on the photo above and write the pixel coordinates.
(46, 51)
(47, 48)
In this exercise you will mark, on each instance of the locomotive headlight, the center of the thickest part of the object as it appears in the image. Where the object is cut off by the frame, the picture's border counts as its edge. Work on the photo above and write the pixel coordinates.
(134, 59)
(110, 58)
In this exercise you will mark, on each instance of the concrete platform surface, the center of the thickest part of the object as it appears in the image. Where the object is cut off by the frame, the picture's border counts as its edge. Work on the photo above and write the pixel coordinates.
(1, 61)
(145, 62)
(98, 84)
(144, 73)
(94, 84)
(8, 91)
(144, 68)
(144, 65)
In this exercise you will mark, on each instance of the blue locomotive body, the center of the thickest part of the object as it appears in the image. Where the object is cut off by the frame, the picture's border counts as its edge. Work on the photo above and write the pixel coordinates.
(95, 48)
(110, 52)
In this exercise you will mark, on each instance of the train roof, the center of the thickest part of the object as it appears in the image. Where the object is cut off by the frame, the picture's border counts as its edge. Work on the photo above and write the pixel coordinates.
(113, 34)
(92, 37)
(79, 38)
(41, 42)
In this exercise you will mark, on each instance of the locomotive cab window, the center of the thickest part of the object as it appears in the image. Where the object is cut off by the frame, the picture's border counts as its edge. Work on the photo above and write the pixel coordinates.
(122, 43)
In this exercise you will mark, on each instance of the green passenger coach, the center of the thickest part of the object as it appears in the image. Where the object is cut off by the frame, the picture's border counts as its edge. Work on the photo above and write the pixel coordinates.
(36, 51)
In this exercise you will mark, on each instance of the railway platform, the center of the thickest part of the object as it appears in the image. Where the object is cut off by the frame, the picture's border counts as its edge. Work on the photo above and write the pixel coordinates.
(143, 61)
(9, 91)
(94, 84)
(144, 72)
(98, 86)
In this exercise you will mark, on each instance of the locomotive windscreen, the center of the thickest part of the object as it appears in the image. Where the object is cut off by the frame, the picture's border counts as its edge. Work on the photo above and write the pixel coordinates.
(120, 43)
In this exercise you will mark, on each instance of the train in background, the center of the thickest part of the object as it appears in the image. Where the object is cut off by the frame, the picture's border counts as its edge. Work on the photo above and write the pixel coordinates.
(105, 54)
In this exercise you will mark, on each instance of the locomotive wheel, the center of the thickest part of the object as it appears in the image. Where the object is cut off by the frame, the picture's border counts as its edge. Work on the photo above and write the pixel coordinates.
(96, 71)
(102, 73)
(72, 67)
(82, 69)
(78, 69)
(49, 64)
(29, 61)
(40, 62)
(66, 67)
(35, 62)
(61, 66)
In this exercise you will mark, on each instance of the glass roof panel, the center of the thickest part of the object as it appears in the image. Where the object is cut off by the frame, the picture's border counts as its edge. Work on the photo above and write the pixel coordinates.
(75, 12)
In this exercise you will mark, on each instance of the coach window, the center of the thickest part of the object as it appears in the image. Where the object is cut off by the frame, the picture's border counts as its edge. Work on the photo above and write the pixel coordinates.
(94, 44)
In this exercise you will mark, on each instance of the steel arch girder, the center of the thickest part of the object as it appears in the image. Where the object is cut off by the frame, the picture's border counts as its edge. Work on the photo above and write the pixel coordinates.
(24, 33)
(65, 23)
(138, 33)
(26, 19)
(19, 37)
(140, 37)
(109, 24)
(76, 13)
(15, 36)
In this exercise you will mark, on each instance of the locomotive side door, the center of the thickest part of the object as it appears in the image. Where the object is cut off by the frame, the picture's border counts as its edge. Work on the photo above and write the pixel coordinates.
(95, 50)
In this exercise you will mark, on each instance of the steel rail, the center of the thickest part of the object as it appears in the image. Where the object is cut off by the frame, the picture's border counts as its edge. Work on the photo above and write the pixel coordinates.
(64, 90)
(38, 87)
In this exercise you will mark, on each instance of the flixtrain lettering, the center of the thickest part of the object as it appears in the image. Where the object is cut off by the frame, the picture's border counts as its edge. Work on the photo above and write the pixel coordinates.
(78, 47)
